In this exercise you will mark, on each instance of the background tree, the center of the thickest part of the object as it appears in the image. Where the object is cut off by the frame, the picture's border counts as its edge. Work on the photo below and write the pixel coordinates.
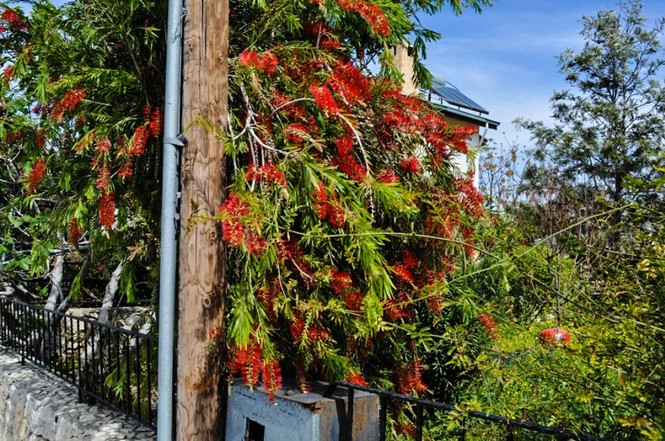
(582, 233)
(610, 125)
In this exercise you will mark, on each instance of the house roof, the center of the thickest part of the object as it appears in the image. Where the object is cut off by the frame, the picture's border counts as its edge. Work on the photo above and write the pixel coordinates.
(450, 100)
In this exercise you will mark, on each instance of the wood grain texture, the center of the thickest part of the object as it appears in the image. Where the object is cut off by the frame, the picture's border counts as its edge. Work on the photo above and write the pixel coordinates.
(202, 263)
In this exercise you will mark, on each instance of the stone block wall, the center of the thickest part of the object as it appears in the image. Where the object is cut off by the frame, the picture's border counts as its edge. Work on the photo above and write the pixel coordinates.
(37, 406)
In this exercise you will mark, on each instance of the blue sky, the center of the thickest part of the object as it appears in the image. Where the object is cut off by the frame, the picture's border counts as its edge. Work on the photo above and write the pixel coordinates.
(506, 58)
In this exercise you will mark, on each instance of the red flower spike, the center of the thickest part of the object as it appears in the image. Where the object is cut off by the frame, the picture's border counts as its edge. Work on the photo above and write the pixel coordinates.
(125, 171)
(8, 73)
(409, 378)
(250, 59)
(349, 82)
(269, 63)
(272, 378)
(156, 125)
(336, 216)
(74, 232)
(107, 210)
(387, 177)
(11, 17)
(372, 13)
(296, 133)
(103, 178)
(36, 174)
(324, 99)
(344, 146)
(410, 165)
(403, 273)
(139, 141)
(40, 139)
(356, 378)
(103, 145)
(409, 258)
(488, 322)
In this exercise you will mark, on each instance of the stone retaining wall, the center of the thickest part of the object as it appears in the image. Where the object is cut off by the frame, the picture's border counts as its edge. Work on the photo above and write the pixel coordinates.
(37, 406)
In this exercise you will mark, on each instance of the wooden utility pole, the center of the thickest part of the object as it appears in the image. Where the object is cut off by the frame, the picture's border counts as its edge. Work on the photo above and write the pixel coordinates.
(201, 258)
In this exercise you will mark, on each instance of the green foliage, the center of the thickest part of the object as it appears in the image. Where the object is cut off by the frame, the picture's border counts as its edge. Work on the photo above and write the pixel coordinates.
(75, 179)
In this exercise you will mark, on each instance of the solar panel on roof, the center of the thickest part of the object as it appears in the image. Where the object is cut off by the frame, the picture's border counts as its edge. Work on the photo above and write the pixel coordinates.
(452, 95)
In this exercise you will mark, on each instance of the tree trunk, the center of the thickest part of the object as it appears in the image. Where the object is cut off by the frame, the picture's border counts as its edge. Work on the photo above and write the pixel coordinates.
(200, 409)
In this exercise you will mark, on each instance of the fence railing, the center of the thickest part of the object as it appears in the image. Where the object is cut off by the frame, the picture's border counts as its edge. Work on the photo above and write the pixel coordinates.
(109, 365)
(420, 407)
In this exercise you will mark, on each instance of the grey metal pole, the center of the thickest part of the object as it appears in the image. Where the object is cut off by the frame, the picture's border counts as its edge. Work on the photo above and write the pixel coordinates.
(169, 223)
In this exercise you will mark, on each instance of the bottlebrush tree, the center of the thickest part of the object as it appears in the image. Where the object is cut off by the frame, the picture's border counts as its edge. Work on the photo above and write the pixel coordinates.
(344, 217)
(80, 129)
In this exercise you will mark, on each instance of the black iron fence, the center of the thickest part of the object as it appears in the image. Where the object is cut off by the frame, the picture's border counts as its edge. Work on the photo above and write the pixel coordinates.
(109, 365)
(505, 428)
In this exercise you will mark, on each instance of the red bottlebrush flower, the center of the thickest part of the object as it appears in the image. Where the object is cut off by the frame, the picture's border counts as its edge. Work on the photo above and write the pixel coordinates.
(435, 303)
(341, 282)
(11, 17)
(8, 73)
(72, 98)
(14, 137)
(344, 146)
(409, 258)
(156, 122)
(74, 231)
(387, 177)
(349, 82)
(296, 133)
(329, 44)
(354, 300)
(409, 378)
(410, 165)
(403, 273)
(372, 13)
(471, 198)
(236, 232)
(467, 237)
(36, 174)
(107, 210)
(336, 216)
(318, 333)
(272, 377)
(251, 370)
(399, 308)
(40, 139)
(272, 175)
(324, 99)
(139, 141)
(351, 167)
(2, 29)
(269, 63)
(297, 327)
(103, 145)
(488, 322)
(126, 170)
(68, 102)
(104, 178)
(320, 200)
(355, 378)
(250, 59)
(146, 111)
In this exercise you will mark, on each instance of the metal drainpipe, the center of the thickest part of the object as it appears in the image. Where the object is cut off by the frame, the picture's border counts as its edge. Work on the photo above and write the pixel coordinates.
(169, 222)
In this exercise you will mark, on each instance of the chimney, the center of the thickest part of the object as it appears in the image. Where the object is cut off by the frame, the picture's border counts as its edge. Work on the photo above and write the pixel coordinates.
(404, 64)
